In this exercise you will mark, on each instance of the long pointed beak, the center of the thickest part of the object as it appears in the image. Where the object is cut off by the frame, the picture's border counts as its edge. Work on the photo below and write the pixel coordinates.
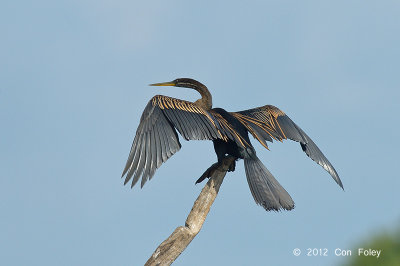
(170, 83)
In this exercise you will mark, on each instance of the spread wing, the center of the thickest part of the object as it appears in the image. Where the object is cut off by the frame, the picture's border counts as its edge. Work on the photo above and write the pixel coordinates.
(269, 122)
(156, 139)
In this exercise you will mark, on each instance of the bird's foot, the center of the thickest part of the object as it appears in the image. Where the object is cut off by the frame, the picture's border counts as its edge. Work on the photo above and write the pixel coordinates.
(209, 172)
(232, 166)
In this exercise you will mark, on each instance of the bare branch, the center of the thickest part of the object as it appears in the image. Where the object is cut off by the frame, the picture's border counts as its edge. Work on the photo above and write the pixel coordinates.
(175, 244)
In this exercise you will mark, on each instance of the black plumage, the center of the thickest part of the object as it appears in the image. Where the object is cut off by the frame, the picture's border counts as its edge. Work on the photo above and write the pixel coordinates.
(157, 140)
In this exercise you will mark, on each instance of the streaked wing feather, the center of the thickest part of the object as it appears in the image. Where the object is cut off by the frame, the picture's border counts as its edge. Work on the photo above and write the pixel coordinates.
(153, 147)
(147, 163)
(188, 123)
(142, 159)
(211, 131)
(135, 157)
(200, 128)
(156, 139)
(159, 147)
(276, 124)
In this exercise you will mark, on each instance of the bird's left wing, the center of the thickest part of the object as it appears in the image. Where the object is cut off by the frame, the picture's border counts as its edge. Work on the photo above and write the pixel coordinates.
(269, 122)
(156, 139)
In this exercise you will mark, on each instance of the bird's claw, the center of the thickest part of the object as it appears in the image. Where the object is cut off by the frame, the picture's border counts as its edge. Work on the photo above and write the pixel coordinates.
(232, 166)
(208, 173)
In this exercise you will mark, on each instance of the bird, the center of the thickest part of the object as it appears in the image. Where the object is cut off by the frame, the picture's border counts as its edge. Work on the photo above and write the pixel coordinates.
(156, 140)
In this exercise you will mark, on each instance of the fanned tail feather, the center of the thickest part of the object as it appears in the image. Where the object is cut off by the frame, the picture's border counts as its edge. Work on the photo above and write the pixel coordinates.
(265, 189)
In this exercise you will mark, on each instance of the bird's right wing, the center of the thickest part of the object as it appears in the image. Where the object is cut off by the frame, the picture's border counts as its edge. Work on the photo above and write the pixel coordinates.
(156, 139)
(269, 122)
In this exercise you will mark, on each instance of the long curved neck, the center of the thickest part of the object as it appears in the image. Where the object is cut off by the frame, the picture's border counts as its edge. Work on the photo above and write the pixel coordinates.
(206, 98)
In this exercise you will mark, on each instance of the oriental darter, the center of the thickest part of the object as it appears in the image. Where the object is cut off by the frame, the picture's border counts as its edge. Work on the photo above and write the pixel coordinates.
(157, 140)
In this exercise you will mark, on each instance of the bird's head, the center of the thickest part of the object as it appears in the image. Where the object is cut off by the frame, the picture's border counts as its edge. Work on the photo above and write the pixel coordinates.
(206, 98)
(181, 82)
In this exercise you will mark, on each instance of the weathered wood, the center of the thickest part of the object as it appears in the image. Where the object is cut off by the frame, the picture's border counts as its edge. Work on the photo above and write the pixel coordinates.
(175, 244)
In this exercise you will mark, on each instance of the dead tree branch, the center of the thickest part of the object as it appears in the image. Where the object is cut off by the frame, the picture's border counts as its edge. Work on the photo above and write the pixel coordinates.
(175, 244)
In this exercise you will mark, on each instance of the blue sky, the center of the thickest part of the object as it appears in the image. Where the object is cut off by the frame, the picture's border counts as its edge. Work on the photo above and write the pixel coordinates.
(73, 84)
